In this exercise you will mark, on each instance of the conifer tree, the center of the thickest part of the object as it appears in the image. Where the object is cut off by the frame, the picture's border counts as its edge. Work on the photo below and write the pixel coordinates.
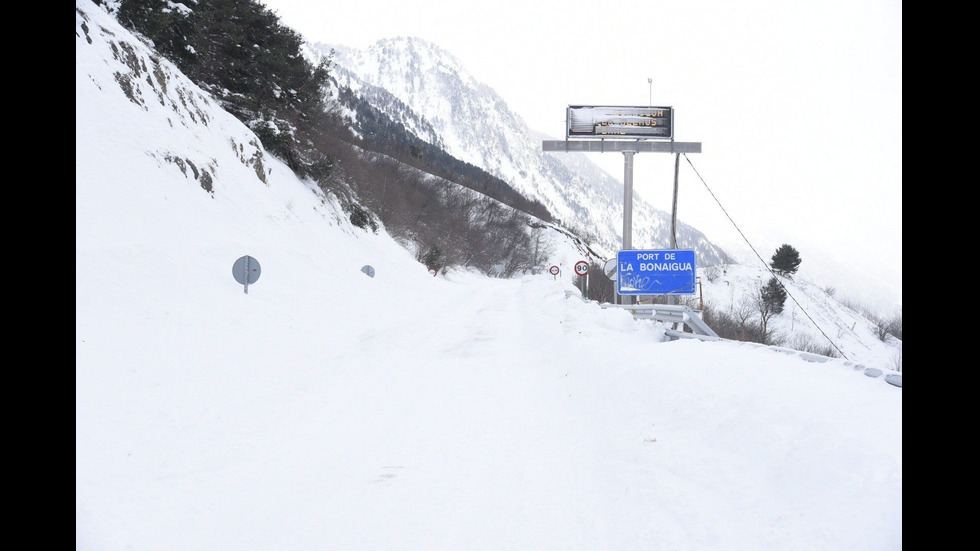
(165, 23)
(786, 260)
(240, 52)
(774, 295)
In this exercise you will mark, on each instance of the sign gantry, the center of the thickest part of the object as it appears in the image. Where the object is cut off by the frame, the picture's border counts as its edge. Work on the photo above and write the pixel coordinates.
(629, 130)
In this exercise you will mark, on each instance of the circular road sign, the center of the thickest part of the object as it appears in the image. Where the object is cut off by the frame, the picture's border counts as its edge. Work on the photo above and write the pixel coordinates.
(246, 270)
(554, 270)
(610, 269)
(581, 267)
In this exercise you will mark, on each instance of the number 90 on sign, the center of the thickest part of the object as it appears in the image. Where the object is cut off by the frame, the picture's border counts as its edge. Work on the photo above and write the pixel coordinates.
(581, 267)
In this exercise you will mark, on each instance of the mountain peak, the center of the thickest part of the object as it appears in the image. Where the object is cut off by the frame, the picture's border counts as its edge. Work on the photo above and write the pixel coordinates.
(410, 64)
(473, 123)
(416, 47)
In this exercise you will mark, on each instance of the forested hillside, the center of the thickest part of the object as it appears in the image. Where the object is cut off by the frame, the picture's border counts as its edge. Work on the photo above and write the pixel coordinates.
(242, 54)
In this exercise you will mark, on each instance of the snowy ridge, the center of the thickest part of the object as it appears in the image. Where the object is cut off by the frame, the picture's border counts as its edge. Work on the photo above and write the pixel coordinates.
(329, 409)
(474, 124)
(818, 316)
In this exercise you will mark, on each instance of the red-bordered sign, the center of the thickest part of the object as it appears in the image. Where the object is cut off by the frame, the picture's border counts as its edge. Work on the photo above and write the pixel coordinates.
(581, 267)
(554, 270)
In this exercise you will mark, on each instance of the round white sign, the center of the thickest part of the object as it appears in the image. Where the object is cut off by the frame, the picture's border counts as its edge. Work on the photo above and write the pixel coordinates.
(610, 268)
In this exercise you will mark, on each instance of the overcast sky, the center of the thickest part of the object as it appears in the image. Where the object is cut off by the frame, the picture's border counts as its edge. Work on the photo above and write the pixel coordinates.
(798, 105)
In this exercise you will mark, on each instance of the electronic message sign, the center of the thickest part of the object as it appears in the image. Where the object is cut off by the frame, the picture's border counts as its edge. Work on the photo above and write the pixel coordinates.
(590, 121)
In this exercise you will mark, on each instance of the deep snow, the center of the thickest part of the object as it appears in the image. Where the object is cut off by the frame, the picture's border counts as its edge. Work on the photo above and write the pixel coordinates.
(810, 315)
(329, 410)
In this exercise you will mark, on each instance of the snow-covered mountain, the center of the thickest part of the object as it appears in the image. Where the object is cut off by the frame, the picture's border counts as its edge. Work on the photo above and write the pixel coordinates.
(429, 91)
(329, 409)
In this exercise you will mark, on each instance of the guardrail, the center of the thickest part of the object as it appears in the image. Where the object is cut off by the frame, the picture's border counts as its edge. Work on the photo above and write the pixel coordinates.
(670, 313)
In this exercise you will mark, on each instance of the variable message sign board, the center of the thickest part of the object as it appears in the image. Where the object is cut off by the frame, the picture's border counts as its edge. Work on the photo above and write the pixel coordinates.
(592, 121)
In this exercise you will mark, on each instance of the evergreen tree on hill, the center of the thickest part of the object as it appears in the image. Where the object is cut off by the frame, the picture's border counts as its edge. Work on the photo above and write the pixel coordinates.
(165, 23)
(786, 260)
(774, 295)
(240, 52)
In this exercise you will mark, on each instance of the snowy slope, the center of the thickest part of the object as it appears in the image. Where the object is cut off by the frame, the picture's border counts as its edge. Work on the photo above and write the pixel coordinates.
(431, 93)
(875, 290)
(329, 410)
(813, 317)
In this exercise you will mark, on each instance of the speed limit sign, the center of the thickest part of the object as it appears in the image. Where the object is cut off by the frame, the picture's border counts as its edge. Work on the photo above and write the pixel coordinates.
(581, 267)
(554, 270)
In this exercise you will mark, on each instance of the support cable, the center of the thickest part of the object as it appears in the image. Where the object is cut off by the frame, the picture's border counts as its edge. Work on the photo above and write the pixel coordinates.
(841, 352)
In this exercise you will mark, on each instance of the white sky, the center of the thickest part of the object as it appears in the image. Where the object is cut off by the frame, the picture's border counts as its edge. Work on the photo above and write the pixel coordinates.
(798, 105)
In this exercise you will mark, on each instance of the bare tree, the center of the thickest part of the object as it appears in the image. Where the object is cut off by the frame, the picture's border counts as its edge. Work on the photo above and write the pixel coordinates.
(897, 361)
(543, 248)
(712, 273)
(880, 328)
(601, 288)
(764, 308)
(805, 343)
(736, 324)
(895, 326)
(744, 312)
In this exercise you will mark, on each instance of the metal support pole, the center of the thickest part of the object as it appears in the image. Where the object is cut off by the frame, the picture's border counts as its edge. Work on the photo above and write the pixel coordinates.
(701, 295)
(671, 299)
(628, 200)
(673, 212)
(248, 270)
(628, 208)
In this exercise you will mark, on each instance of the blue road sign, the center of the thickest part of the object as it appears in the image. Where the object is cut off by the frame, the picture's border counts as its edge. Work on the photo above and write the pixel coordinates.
(656, 272)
